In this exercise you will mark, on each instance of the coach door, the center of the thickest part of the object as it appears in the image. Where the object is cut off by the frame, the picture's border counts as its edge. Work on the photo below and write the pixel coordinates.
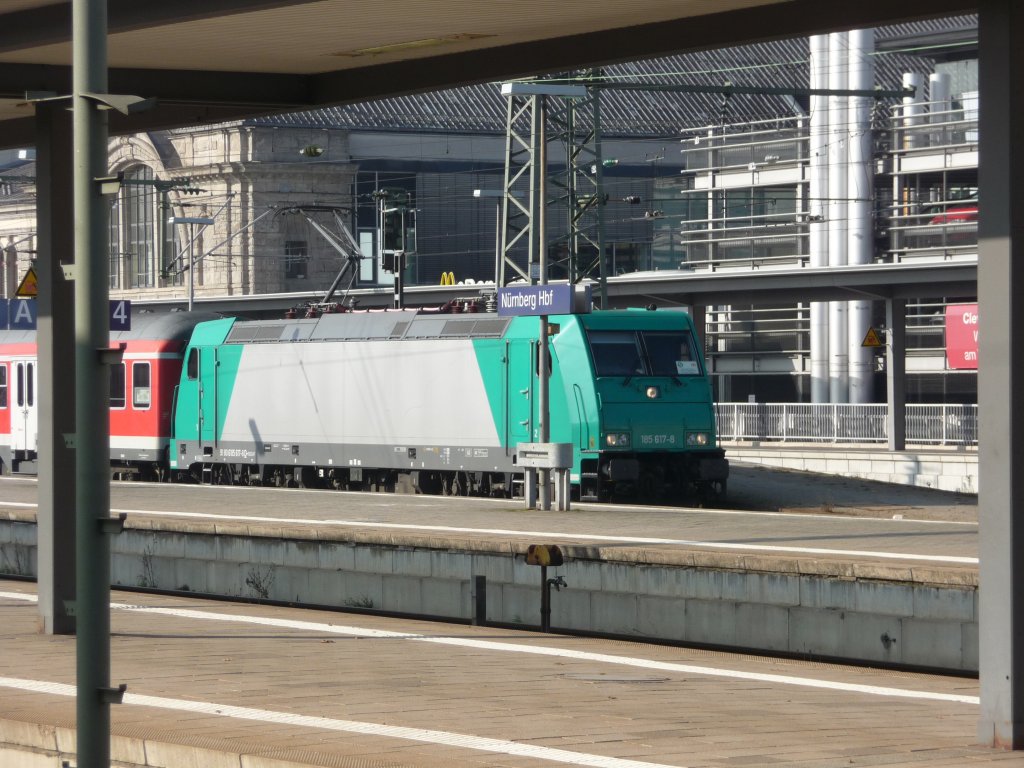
(24, 418)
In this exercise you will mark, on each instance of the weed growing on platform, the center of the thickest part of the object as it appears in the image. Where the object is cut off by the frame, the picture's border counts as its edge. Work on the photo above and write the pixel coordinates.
(359, 602)
(260, 581)
(147, 580)
(16, 564)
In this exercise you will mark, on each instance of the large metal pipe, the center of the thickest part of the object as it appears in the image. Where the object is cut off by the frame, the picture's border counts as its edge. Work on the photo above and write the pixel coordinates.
(92, 428)
(940, 106)
(817, 209)
(913, 110)
(940, 89)
(838, 367)
(860, 191)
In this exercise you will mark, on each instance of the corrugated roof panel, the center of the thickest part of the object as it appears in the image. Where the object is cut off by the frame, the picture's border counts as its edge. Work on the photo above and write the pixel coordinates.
(481, 108)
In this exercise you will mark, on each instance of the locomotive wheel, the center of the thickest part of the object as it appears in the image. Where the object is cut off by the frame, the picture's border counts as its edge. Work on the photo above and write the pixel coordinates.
(430, 483)
(221, 475)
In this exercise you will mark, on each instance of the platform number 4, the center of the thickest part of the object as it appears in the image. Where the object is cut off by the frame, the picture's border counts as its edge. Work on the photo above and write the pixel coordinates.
(120, 315)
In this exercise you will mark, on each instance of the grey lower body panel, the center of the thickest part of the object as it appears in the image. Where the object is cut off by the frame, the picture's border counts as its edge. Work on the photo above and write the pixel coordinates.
(405, 458)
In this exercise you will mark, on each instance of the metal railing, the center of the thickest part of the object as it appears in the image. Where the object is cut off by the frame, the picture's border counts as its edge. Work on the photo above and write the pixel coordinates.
(953, 425)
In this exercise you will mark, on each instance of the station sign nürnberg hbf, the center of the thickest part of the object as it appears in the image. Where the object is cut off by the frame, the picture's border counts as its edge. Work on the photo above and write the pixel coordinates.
(551, 299)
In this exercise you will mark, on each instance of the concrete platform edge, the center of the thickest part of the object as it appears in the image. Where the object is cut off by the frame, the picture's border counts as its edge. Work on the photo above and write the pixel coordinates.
(26, 744)
(844, 609)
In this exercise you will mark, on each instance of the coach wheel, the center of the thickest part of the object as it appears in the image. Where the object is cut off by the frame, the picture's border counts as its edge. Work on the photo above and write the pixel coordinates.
(308, 478)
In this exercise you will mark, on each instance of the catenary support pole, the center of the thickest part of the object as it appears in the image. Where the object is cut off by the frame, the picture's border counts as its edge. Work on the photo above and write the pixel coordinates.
(896, 372)
(55, 568)
(89, 76)
(1001, 375)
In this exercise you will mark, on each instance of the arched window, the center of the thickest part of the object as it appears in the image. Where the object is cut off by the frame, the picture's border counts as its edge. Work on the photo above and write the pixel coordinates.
(135, 231)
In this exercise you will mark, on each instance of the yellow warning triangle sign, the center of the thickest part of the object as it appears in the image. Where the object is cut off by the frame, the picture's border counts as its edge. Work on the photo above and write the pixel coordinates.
(873, 338)
(28, 288)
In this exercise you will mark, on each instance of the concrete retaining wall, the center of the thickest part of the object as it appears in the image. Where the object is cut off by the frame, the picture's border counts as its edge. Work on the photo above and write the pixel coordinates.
(955, 471)
(873, 613)
(35, 745)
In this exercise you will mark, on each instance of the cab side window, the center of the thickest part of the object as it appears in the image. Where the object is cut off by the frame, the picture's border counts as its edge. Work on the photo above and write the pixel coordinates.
(192, 366)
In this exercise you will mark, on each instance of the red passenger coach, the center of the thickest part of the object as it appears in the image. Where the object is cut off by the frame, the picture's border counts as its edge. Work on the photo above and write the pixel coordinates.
(18, 385)
(141, 393)
(142, 390)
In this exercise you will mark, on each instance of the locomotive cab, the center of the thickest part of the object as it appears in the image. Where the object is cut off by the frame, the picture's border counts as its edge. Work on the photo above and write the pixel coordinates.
(655, 421)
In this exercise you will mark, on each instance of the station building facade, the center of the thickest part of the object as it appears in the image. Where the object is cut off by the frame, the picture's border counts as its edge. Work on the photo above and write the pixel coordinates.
(694, 180)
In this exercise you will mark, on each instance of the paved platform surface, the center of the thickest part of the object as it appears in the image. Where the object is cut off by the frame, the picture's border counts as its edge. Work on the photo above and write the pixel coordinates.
(210, 682)
(949, 468)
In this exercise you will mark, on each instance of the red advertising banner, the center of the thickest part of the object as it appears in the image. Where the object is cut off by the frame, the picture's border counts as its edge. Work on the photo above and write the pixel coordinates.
(962, 336)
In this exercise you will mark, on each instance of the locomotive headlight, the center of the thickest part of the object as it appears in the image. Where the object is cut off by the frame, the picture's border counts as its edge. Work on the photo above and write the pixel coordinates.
(617, 440)
(697, 438)
(653, 393)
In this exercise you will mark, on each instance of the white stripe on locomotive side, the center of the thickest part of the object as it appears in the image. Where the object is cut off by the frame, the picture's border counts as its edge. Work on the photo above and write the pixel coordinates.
(365, 393)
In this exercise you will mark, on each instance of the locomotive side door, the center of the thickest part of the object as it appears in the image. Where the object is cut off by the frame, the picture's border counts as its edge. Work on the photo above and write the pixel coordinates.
(24, 418)
(520, 411)
(208, 395)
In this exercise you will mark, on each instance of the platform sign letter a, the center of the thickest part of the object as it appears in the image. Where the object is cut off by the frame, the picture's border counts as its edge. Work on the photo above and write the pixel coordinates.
(23, 314)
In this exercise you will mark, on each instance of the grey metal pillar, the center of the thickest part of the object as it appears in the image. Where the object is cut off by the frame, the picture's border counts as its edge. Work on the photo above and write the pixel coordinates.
(56, 391)
(89, 76)
(699, 314)
(1001, 375)
(896, 372)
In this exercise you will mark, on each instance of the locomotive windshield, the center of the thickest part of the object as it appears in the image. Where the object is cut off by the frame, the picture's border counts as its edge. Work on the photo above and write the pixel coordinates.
(644, 353)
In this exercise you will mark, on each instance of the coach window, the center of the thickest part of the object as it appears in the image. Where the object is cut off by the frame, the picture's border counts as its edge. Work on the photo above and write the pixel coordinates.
(141, 393)
(30, 387)
(193, 364)
(3, 385)
(117, 398)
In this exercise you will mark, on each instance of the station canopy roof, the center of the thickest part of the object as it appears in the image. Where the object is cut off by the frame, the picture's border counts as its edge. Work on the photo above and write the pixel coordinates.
(213, 60)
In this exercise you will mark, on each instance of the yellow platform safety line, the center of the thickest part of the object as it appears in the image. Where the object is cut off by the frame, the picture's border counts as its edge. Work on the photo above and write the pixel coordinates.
(447, 278)
(28, 288)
